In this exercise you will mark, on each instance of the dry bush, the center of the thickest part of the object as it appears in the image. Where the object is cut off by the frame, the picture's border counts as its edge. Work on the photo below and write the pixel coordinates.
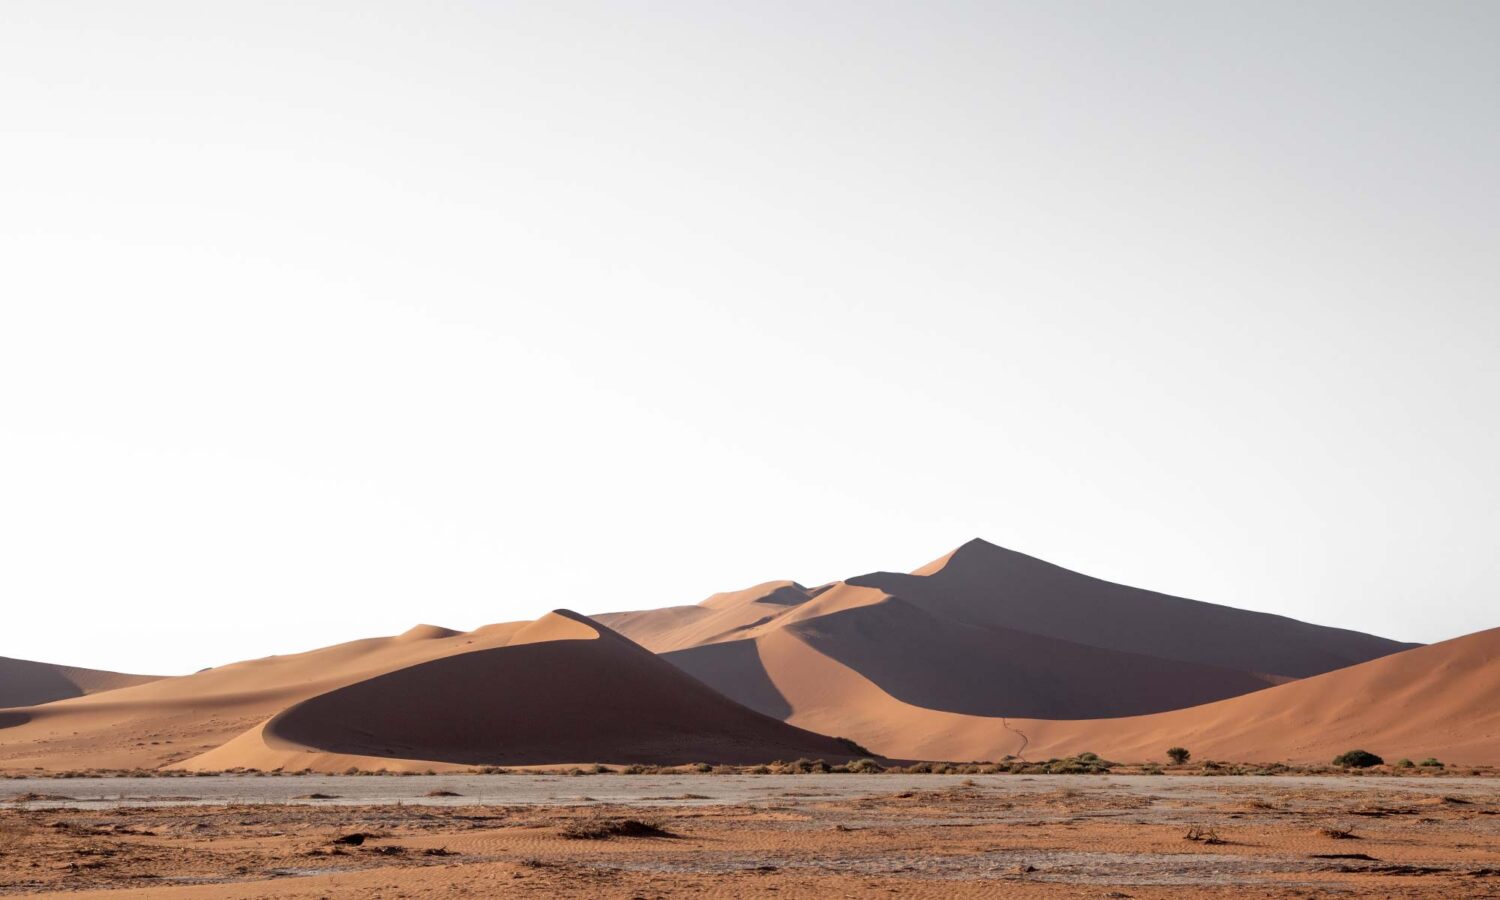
(1206, 835)
(604, 829)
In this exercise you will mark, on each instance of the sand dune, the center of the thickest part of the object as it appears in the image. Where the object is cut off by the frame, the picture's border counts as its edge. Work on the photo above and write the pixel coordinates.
(163, 721)
(982, 584)
(1441, 700)
(986, 631)
(566, 690)
(27, 683)
(721, 617)
(979, 654)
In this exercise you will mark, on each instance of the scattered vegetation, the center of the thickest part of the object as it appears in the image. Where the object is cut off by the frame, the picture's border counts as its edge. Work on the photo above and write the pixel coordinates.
(1206, 835)
(1430, 763)
(1357, 759)
(854, 746)
(1405, 763)
(1178, 755)
(605, 829)
(1339, 832)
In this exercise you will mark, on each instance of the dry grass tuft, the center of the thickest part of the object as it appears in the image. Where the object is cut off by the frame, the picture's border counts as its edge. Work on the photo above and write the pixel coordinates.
(604, 829)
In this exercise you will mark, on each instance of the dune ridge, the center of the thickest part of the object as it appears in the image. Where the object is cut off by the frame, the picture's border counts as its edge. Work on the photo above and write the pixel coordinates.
(27, 683)
(565, 690)
(981, 653)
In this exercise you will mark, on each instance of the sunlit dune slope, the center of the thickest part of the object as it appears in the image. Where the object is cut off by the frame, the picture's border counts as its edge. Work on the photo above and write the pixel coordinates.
(566, 690)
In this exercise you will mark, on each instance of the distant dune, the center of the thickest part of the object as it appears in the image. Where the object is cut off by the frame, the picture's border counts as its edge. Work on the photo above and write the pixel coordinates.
(26, 683)
(164, 721)
(1441, 700)
(982, 653)
(565, 690)
(986, 631)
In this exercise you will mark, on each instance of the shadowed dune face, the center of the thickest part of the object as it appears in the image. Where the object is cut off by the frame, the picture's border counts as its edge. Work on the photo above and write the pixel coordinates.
(982, 584)
(561, 700)
(989, 671)
(13, 719)
(736, 670)
(27, 683)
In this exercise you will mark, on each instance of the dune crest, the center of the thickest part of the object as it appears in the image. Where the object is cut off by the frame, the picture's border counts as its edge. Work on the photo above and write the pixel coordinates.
(565, 690)
(27, 683)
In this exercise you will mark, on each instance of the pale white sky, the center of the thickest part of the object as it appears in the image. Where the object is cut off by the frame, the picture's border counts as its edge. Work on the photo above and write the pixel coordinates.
(320, 320)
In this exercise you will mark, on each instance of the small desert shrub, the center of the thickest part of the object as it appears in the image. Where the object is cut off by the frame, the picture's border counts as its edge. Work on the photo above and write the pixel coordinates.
(440, 792)
(1152, 769)
(1178, 755)
(853, 746)
(805, 767)
(1357, 759)
(1430, 763)
(604, 829)
(865, 767)
(1405, 764)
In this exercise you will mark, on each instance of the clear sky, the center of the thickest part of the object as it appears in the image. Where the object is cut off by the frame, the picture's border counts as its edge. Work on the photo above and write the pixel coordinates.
(319, 320)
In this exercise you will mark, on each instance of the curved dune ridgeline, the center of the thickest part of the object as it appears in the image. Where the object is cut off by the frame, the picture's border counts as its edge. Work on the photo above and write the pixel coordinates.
(573, 692)
(982, 653)
(27, 683)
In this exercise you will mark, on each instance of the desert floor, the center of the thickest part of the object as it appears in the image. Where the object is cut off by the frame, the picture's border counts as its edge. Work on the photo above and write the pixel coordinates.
(772, 836)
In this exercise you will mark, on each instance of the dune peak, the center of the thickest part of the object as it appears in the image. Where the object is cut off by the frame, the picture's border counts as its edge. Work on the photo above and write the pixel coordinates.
(426, 633)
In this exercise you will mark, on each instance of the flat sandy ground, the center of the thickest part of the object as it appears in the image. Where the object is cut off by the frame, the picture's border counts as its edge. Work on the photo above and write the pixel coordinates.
(795, 836)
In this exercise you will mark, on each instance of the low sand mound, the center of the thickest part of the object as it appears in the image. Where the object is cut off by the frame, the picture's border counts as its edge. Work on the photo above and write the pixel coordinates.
(27, 683)
(566, 690)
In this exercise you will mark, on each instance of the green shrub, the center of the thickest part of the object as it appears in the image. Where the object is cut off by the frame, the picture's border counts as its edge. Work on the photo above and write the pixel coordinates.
(1357, 759)
(1404, 763)
(1178, 755)
(1430, 763)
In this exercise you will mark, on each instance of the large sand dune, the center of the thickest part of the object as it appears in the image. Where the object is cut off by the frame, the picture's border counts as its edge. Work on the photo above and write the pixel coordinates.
(27, 683)
(565, 690)
(983, 584)
(1441, 700)
(149, 725)
(990, 632)
(977, 655)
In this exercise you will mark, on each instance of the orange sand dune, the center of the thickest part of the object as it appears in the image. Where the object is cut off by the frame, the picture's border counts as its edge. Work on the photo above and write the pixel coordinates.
(982, 584)
(164, 721)
(986, 631)
(27, 683)
(566, 690)
(721, 617)
(1441, 700)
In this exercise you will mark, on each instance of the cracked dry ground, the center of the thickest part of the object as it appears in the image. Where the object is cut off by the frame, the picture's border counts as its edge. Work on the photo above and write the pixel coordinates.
(1249, 839)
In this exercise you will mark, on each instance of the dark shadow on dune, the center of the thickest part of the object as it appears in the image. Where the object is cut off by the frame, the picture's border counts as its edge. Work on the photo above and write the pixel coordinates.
(937, 663)
(13, 719)
(789, 595)
(566, 701)
(983, 584)
(734, 669)
(24, 683)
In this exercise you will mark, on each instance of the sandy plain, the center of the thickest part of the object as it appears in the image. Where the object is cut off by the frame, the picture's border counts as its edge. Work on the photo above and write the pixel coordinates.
(763, 836)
